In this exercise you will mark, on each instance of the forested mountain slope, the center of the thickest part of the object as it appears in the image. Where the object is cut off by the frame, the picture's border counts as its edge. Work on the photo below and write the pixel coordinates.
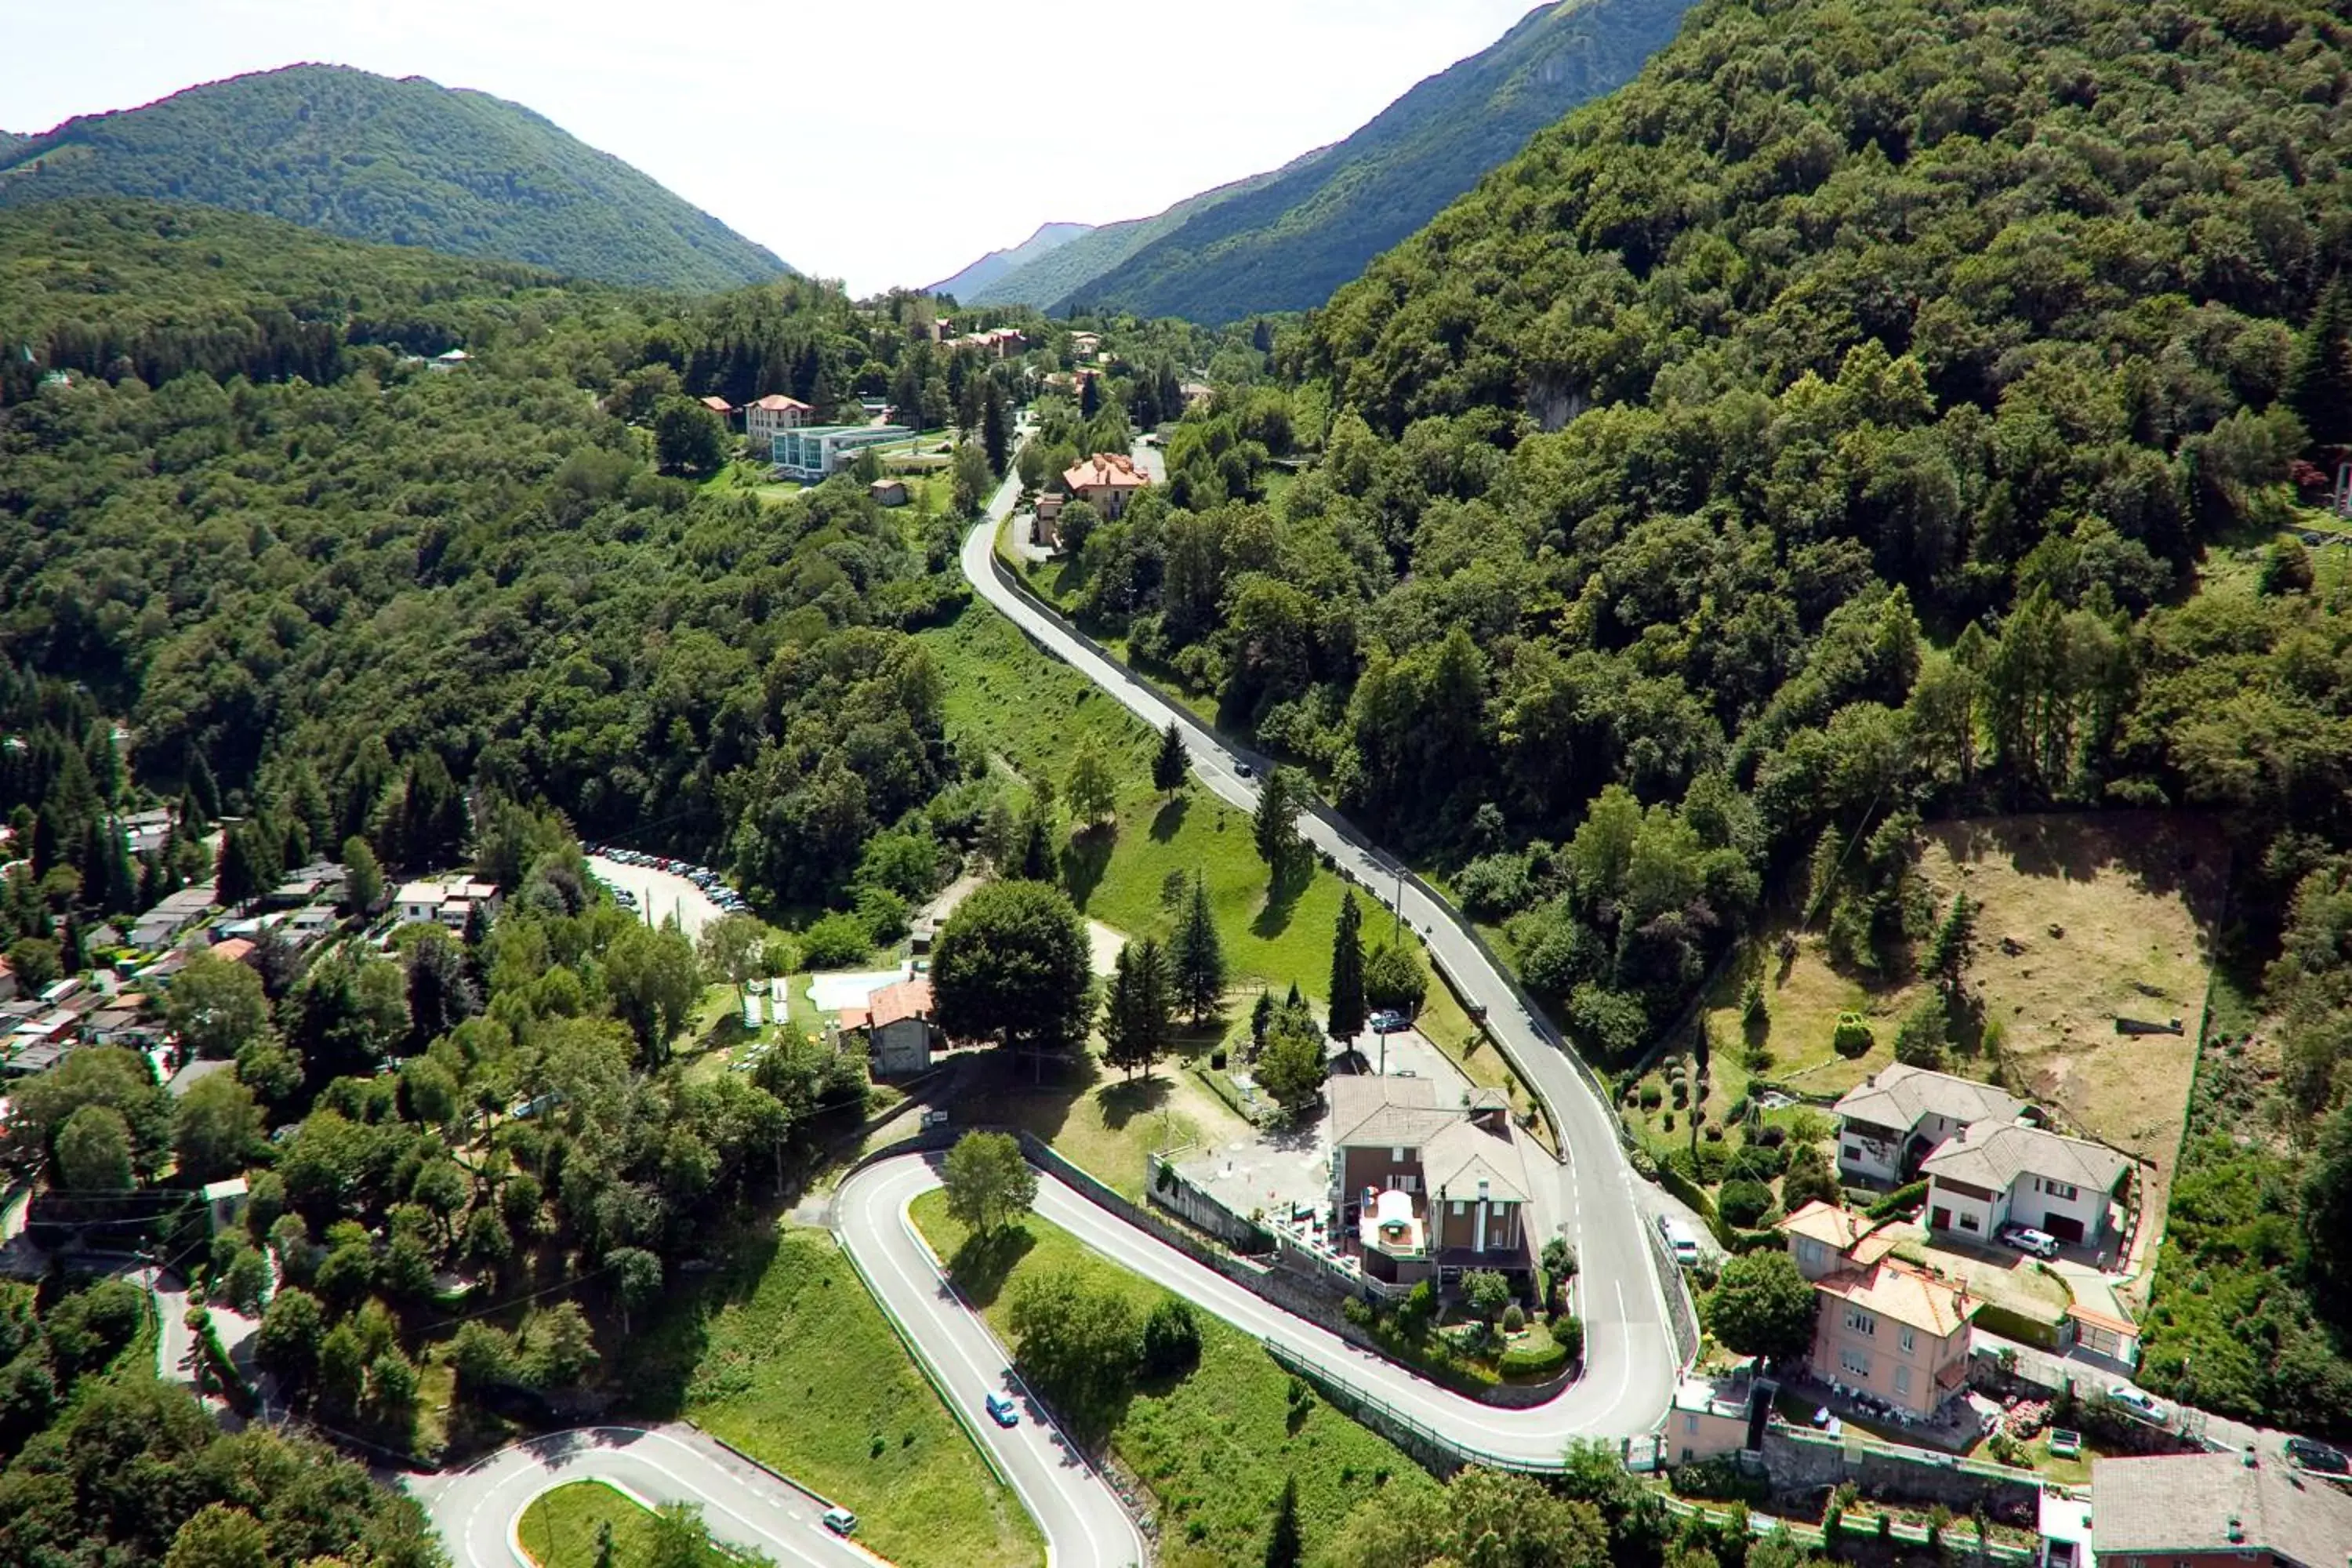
(1878, 409)
(1048, 238)
(283, 576)
(400, 163)
(1872, 336)
(1288, 243)
(1060, 272)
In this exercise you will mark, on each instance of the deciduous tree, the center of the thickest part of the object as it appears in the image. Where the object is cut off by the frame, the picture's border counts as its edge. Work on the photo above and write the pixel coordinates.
(988, 1182)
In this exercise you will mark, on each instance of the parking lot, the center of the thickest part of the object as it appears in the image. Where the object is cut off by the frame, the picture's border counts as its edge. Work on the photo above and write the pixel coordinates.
(657, 888)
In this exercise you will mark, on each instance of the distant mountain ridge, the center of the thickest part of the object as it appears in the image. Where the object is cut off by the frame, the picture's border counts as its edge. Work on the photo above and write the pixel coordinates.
(1285, 241)
(1059, 272)
(1049, 238)
(402, 162)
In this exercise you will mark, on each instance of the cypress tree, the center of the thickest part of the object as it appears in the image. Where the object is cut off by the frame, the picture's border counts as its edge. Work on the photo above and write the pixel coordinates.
(1346, 1019)
(2319, 384)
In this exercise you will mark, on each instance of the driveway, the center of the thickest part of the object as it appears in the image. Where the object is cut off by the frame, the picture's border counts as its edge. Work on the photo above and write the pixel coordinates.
(476, 1510)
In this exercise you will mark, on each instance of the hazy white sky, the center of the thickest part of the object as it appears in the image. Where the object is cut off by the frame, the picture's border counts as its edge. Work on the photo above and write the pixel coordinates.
(880, 142)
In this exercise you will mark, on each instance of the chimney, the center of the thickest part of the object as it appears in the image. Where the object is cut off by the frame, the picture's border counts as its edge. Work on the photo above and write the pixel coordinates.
(2236, 1531)
(1482, 1189)
(2253, 1461)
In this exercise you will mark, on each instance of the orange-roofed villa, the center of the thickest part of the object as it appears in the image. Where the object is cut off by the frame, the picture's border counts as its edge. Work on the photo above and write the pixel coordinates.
(1106, 482)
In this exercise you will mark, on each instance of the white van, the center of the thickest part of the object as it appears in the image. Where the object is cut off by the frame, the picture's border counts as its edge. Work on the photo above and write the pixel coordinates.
(1680, 1245)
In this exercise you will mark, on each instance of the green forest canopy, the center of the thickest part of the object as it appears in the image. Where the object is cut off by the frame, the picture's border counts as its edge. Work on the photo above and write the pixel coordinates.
(399, 163)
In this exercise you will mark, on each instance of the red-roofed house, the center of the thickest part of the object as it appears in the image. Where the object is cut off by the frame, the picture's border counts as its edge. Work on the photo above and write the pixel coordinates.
(720, 407)
(235, 949)
(1107, 481)
(774, 413)
(896, 1023)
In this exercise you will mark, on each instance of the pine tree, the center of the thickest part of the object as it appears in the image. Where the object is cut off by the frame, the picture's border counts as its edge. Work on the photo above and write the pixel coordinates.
(1137, 1022)
(201, 787)
(1036, 846)
(1275, 827)
(1261, 1019)
(995, 428)
(1197, 957)
(1168, 766)
(1347, 993)
(2319, 385)
(1954, 946)
(1283, 1548)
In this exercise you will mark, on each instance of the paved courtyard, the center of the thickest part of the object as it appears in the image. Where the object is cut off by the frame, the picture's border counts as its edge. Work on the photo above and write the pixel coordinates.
(1285, 1171)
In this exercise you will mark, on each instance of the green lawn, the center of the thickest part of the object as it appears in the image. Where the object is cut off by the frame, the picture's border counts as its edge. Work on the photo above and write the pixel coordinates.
(1029, 712)
(561, 1529)
(786, 1356)
(1215, 1447)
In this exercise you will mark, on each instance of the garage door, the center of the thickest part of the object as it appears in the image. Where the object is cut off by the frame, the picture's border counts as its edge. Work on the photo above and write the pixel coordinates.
(2063, 1226)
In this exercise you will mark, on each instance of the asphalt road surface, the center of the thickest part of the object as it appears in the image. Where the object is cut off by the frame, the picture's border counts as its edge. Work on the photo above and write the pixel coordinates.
(476, 1510)
(1628, 1342)
(1085, 1524)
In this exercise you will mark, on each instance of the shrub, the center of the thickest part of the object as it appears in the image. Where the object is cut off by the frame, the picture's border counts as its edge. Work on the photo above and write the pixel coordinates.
(1514, 1319)
(1756, 1162)
(1853, 1037)
(1171, 1339)
(1653, 1095)
(1560, 1258)
(1715, 1134)
(836, 941)
(1744, 1203)
(1921, 1039)
(1534, 1362)
(1899, 1200)
(1772, 1135)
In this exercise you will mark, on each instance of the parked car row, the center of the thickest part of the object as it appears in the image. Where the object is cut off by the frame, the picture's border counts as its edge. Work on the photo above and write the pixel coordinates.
(712, 884)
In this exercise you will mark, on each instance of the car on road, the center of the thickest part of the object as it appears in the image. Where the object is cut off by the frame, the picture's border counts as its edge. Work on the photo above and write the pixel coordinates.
(2138, 1405)
(1002, 1411)
(841, 1521)
(2313, 1454)
(1387, 1021)
(1242, 770)
(1679, 1242)
(2025, 1239)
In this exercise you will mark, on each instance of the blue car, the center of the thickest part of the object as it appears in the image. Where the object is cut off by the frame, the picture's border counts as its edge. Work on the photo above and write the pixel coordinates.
(1001, 1410)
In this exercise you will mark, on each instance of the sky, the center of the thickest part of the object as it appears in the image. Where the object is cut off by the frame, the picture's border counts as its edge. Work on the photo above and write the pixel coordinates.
(877, 142)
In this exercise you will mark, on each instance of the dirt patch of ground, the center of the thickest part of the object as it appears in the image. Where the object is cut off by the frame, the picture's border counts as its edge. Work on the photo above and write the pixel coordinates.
(2132, 898)
(2089, 919)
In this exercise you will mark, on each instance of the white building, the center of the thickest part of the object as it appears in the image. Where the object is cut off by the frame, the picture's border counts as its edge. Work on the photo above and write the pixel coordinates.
(1994, 1173)
(1899, 1115)
(771, 415)
(448, 901)
(812, 452)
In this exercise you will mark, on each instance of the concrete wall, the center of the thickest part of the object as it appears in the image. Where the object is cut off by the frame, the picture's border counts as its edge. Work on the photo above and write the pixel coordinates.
(1966, 1211)
(1862, 1152)
(1167, 1186)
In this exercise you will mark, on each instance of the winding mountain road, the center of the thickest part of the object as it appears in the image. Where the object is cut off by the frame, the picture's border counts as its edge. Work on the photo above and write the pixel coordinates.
(1629, 1341)
(478, 1509)
(1631, 1360)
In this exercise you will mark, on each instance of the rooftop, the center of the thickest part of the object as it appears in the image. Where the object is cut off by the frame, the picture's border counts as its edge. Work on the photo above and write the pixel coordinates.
(1995, 1154)
(2176, 1504)
(1890, 1290)
(777, 403)
(1370, 1111)
(1113, 470)
(1474, 1158)
(1899, 1096)
(1832, 1225)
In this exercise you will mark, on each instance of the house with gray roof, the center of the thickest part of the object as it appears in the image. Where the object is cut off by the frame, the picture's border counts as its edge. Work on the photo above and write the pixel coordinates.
(1895, 1119)
(1423, 1189)
(1994, 1173)
(2202, 1510)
